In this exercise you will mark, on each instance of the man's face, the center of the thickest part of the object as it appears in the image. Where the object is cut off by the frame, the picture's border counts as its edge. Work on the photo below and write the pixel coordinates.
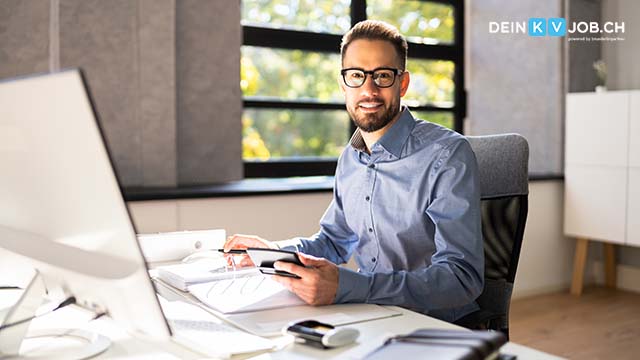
(372, 107)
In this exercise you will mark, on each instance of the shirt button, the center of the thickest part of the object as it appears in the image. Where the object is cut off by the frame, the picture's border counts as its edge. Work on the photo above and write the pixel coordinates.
(373, 259)
(367, 198)
(372, 166)
(370, 230)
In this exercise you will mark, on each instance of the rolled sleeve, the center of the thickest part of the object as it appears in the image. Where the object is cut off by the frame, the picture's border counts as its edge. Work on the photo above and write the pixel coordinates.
(353, 287)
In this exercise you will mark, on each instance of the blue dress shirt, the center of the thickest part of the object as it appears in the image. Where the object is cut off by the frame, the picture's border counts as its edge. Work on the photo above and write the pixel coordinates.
(410, 213)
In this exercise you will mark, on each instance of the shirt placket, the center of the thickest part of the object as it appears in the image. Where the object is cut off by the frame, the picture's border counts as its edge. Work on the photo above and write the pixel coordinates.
(372, 172)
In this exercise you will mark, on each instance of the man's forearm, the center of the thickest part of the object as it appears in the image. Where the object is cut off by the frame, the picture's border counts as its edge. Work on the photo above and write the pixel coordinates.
(319, 245)
(439, 286)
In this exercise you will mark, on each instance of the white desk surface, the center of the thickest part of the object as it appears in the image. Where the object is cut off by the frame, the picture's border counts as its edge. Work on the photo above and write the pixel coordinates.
(125, 346)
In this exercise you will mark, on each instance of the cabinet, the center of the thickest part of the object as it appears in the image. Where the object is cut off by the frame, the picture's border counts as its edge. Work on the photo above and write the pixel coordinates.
(602, 175)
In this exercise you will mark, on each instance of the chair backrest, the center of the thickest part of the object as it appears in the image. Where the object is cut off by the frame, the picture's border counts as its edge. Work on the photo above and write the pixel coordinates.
(503, 167)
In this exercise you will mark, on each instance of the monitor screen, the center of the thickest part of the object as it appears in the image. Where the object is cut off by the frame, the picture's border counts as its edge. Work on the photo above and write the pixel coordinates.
(62, 209)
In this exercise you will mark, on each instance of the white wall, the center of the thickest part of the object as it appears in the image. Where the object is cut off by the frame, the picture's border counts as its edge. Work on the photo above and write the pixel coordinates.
(545, 261)
(273, 217)
(546, 258)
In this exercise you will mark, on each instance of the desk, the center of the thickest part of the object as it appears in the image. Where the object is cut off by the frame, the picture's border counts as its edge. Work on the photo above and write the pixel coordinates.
(372, 334)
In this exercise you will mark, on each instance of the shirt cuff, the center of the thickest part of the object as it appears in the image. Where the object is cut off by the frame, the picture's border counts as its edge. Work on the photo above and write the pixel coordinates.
(352, 286)
(291, 244)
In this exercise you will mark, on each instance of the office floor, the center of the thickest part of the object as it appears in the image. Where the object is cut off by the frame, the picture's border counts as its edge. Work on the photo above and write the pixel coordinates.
(601, 324)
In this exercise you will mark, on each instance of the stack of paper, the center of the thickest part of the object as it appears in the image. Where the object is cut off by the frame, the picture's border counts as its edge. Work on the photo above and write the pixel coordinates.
(227, 291)
(244, 294)
(181, 276)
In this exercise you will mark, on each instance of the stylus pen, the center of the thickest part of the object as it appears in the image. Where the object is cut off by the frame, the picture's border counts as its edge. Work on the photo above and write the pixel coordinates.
(233, 251)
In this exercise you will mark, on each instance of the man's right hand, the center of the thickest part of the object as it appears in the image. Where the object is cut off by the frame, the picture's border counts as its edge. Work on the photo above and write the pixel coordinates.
(239, 241)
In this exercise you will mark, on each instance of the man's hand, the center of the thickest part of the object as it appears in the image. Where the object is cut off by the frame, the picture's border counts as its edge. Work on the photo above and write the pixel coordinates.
(319, 280)
(239, 241)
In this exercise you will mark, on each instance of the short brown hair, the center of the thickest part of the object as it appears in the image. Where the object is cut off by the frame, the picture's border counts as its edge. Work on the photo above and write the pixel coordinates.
(376, 30)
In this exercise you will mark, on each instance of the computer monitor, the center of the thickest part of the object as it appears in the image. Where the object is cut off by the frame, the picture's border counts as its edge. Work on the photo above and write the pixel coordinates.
(62, 211)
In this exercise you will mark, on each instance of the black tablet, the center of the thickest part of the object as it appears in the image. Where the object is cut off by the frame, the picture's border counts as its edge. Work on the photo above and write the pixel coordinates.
(264, 259)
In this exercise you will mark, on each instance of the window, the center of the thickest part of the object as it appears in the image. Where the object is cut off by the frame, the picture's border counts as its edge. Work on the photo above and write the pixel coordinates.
(294, 120)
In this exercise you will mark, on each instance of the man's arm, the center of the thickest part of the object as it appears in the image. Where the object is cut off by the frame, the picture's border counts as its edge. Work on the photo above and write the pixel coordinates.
(455, 276)
(335, 241)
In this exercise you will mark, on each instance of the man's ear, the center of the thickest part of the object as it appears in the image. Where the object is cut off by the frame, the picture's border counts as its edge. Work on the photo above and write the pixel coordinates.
(404, 82)
(341, 83)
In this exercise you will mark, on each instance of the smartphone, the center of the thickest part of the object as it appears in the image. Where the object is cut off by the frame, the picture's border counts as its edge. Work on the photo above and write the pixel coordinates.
(264, 259)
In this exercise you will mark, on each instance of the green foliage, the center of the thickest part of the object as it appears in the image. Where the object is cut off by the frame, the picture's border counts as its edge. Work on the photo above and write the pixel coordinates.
(294, 133)
(290, 74)
(419, 21)
(438, 117)
(431, 82)
(328, 16)
(313, 76)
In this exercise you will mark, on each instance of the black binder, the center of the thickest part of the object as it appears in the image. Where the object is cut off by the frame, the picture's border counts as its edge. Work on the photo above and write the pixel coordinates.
(441, 344)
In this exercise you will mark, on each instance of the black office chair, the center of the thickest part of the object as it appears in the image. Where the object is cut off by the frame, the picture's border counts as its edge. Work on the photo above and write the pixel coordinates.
(503, 166)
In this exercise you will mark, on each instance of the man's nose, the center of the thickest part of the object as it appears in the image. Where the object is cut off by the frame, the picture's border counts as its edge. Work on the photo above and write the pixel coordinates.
(369, 87)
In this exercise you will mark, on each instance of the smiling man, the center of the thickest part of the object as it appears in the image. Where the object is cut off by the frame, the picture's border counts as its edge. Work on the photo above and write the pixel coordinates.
(406, 200)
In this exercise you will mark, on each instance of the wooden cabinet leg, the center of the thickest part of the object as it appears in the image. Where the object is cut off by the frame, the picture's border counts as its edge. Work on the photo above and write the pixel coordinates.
(579, 261)
(610, 265)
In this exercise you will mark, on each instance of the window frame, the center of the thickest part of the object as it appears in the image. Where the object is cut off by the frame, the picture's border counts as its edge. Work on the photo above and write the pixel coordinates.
(330, 43)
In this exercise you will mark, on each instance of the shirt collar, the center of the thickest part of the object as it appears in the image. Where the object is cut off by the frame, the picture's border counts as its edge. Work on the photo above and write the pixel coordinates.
(394, 139)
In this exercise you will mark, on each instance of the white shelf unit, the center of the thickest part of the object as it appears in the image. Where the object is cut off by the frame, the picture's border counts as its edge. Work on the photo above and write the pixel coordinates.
(602, 174)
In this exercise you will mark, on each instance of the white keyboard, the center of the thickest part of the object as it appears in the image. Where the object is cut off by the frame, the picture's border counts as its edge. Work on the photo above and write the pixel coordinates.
(204, 333)
(210, 326)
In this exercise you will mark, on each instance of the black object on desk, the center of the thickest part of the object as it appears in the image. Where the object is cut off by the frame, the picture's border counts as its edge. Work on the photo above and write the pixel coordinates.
(442, 344)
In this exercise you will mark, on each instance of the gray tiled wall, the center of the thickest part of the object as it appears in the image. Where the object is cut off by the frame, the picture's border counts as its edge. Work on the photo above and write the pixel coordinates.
(622, 57)
(209, 100)
(164, 75)
(100, 36)
(515, 81)
(157, 83)
(24, 37)
(582, 54)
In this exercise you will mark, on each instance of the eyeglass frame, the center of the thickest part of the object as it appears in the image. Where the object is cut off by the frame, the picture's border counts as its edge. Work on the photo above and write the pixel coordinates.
(396, 73)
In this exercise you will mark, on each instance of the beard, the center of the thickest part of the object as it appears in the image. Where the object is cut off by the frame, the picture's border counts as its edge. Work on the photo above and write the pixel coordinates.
(370, 122)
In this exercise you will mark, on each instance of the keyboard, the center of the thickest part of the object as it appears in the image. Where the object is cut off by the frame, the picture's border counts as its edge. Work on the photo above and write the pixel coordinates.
(195, 325)
(204, 333)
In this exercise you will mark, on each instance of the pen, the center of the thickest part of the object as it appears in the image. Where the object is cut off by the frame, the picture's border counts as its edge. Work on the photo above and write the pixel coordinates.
(233, 251)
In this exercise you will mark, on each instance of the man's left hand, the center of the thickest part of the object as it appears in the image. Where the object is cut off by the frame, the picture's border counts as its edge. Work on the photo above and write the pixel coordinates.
(319, 279)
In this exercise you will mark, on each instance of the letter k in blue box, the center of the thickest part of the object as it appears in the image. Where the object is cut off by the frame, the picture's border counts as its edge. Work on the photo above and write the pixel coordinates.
(537, 26)
(557, 27)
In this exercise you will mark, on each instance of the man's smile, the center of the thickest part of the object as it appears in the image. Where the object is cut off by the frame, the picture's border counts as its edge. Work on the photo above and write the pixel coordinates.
(370, 106)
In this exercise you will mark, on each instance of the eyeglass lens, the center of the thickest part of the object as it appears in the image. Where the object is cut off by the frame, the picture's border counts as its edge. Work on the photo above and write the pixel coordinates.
(381, 77)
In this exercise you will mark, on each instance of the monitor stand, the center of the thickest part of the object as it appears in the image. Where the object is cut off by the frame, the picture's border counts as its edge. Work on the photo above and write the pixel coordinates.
(41, 344)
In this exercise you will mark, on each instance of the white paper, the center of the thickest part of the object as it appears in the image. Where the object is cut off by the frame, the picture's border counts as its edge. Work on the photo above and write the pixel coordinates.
(181, 276)
(244, 294)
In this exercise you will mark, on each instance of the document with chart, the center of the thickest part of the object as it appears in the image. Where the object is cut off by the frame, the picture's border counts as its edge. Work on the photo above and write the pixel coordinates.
(243, 294)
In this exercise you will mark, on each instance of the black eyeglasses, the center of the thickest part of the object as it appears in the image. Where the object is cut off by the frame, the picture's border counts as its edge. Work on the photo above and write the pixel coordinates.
(382, 77)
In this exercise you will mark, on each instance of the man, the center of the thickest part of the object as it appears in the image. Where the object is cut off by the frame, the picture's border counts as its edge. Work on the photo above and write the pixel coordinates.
(406, 199)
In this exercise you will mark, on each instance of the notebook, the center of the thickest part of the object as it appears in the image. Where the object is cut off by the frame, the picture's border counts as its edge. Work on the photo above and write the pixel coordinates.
(227, 292)
(244, 294)
(442, 344)
(181, 276)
